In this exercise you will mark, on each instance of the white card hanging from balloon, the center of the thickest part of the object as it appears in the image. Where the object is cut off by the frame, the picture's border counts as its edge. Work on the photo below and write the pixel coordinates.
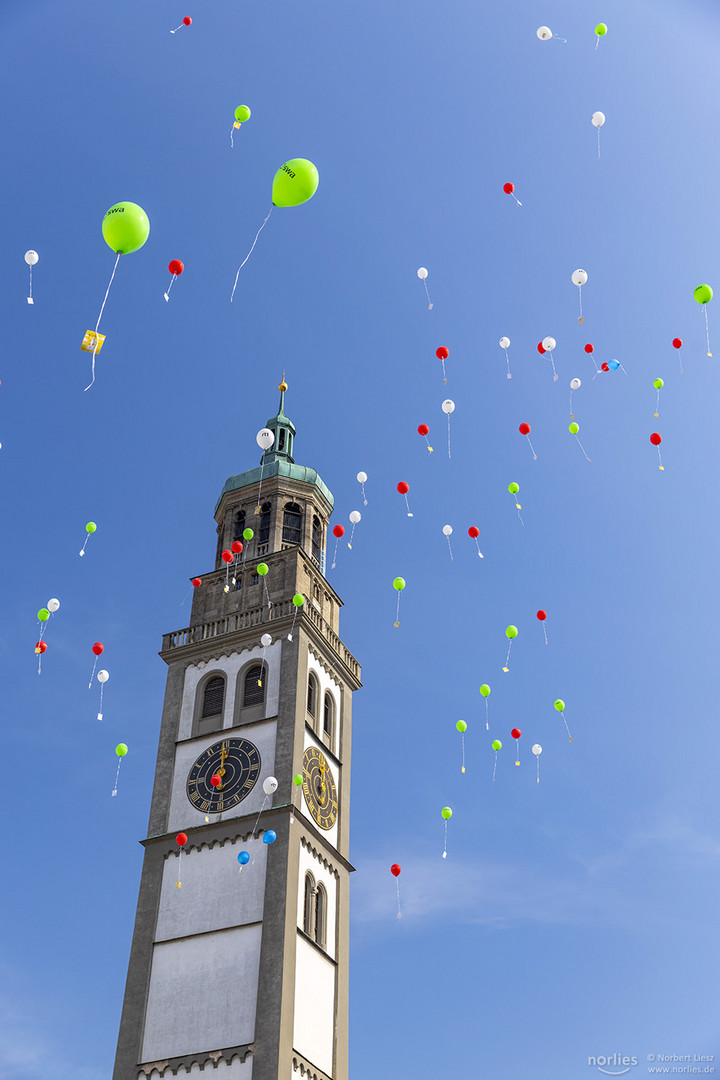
(504, 343)
(102, 678)
(31, 258)
(448, 407)
(423, 274)
(355, 516)
(579, 278)
(447, 533)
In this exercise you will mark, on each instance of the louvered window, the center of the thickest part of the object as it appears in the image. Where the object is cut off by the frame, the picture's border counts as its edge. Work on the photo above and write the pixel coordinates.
(264, 532)
(292, 524)
(213, 697)
(254, 688)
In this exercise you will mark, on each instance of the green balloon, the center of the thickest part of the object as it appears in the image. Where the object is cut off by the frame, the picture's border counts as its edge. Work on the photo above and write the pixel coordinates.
(295, 182)
(91, 527)
(658, 384)
(485, 690)
(513, 488)
(262, 568)
(399, 583)
(560, 705)
(242, 114)
(496, 744)
(703, 294)
(43, 614)
(601, 29)
(298, 599)
(125, 227)
(248, 534)
(121, 749)
(511, 631)
(573, 428)
(446, 812)
(297, 779)
(461, 726)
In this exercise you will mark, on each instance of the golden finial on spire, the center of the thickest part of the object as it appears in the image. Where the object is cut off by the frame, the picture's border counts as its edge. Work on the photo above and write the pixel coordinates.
(283, 385)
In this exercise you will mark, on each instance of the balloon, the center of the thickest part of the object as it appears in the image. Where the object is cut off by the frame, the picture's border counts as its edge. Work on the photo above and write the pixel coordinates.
(540, 348)
(461, 726)
(544, 33)
(227, 556)
(98, 648)
(265, 438)
(601, 29)
(524, 429)
(655, 438)
(573, 428)
(508, 188)
(176, 267)
(473, 532)
(575, 384)
(448, 406)
(579, 277)
(446, 813)
(243, 857)
(395, 870)
(361, 478)
(604, 367)
(549, 343)
(496, 745)
(339, 530)
(504, 342)
(266, 640)
(589, 348)
(262, 569)
(125, 228)
(181, 839)
(295, 182)
(511, 632)
(31, 257)
(197, 581)
(658, 384)
(43, 614)
(537, 749)
(613, 364)
(677, 343)
(403, 487)
(422, 273)
(216, 780)
(242, 114)
(40, 647)
(442, 353)
(516, 733)
(270, 785)
(703, 294)
(485, 690)
(299, 599)
(423, 429)
(447, 530)
(53, 605)
(598, 119)
(355, 516)
(513, 488)
(298, 779)
(103, 676)
(236, 546)
(399, 584)
(187, 21)
(248, 534)
(121, 749)
(269, 837)
(91, 527)
(560, 705)
(542, 615)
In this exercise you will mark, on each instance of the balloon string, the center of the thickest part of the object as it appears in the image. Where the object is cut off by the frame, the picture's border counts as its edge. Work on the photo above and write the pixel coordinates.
(30, 293)
(178, 883)
(428, 295)
(598, 130)
(558, 38)
(597, 43)
(463, 751)
(660, 466)
(571, 406)
(517, 752)
(337, 541)
(583, 449)
(507, 357)
(580, 320)
(516, 198)
(92, 673)
(407, 504)
(397, 613)
(566, 727)
(707, 332)
(532, 448)
(293, 624)
(397, 886)
(177, 28)
(117, 774)
(430, 449)
(40, 663)
(444, 375)
(545, 633)
(267, 594)
(444, 854)
(262, 466)
(450, 550)
(477, 545)
(97, 324)
(449, 455)
(249, 253)
(552, 361)
(538, 768)
(495, 766)
(352, 533)
(657, 405)
(265, 799)
(167, 294)
(82, 550)
(487, 715)
(507, 658)
(362, 488)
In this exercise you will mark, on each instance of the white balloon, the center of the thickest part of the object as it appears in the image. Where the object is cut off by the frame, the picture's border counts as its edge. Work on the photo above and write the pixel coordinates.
(575, 384)
(361, 477)
(537, 749)
(447, 530)
(598, 119)
(355, 516)
(31, 257)
(448, 406)
(270, 785)
(264, 438)
(544, 33)
(266, 640)
(422, 273)
(53, 605)
(103, 676)
(504, 342)
(579, 277)
(549, 343)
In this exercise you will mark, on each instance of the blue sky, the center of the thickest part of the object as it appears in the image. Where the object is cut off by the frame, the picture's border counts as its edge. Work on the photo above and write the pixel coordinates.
(573, 918)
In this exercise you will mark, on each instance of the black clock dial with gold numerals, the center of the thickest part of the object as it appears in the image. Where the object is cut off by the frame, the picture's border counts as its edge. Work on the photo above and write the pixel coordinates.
(319, 788)
(236, 762)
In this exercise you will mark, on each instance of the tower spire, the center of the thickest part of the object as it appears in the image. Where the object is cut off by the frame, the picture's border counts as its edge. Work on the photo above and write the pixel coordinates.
(283, 429)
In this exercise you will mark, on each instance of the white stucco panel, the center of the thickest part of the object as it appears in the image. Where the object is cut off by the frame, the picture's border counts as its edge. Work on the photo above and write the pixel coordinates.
(311, 740)
(203, 993)
(213, 895)
(230, 667)
(314, 1019)
(309, 864)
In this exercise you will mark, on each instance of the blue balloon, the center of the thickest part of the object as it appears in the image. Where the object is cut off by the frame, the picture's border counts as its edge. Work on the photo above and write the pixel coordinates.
(269, 837)
(613, 364)
(244, 857)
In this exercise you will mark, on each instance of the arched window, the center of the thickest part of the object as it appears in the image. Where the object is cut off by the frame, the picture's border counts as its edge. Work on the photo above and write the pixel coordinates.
(320, 915)
(264, 531)
(316, 538)
(254, 685)
(328, 719)
(309, 912)
(213, 697)
(281, 441)
(312, 695)
(239, 525)
(292, 524)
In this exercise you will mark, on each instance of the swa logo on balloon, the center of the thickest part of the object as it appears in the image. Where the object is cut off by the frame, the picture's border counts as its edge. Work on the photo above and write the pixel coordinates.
(114, 210)
(290, 173)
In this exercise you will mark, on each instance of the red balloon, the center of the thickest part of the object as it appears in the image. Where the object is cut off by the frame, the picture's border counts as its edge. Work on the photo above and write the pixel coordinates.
(339, 531)
(604, 367)
(395, 870)
(236, 546)
(98, 648)
(542, 615)
(655, 438)
(215, 780)
(175, 266)
(197, 581)
(473, 531)
(403, 488)
(541, 350)
(524, 429)
(677, 342)
(508, 188)
(227, 556)
(181, 839)
(516, 733)
(187, 21)
(423, 429)
(589, 348)
(442, 353)
(40, 646)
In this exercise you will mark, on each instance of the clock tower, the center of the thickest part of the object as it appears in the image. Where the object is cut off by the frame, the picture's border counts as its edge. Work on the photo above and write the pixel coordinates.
(242, 967)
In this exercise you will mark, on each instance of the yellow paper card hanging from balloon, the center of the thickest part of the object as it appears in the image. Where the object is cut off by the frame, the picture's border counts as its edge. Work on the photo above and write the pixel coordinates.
(92, 342)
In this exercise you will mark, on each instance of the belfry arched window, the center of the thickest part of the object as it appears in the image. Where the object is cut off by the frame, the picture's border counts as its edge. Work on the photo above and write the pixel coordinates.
(264, 530)
(320, 915)
(254, 685)
(292, 524)
(239, 525)
(316, 538)
(213, 697)
(312, 696)
(309, 908)
(328, 728)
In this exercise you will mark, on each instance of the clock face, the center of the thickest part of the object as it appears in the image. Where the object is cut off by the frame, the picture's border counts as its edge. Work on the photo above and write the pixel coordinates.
(236, 762)
(319, 788)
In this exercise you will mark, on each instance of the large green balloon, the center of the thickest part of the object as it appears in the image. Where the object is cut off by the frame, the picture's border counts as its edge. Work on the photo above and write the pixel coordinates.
(297, 779)
(485, 690)
(511, 631)
(125, 227)
(446, 812)
(242, 114)
(513, 488)
(91, 527)
(658, 384)
(262, 568)
(43, 614)
(601, 29)
(298, 599)
(295, 182)
(121, 749)
(703, 294)
(560, 705)
(399, 583)
(461, 726)
(248, 534)
(496, 744)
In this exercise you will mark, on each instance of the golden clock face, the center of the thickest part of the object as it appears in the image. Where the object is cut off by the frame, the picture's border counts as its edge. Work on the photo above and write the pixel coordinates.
(319, 788)
(236, 762)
